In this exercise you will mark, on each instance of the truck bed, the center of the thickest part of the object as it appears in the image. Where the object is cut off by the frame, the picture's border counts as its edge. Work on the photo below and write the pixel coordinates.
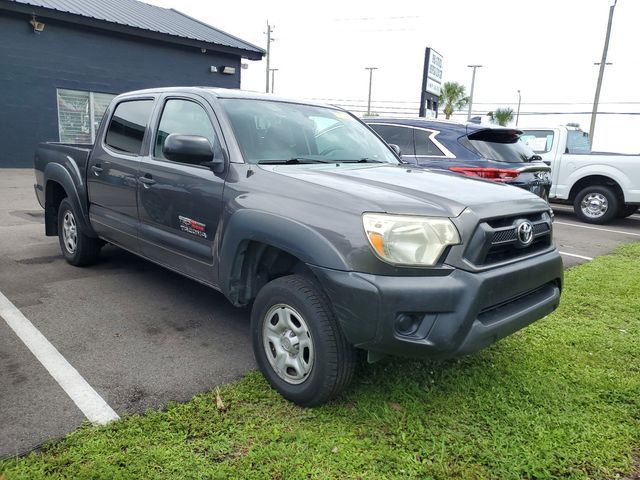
(72, 157)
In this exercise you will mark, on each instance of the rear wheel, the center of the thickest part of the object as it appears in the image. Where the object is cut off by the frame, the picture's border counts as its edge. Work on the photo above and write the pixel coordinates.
(596, 204)
(77, 248)
(626, 211)
(297, 341)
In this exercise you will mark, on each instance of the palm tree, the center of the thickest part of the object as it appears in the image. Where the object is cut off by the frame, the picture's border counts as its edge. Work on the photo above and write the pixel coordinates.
(453, 98)
(501, 116)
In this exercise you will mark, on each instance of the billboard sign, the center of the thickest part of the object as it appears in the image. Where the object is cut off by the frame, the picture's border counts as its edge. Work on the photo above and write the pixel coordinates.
(431, 82)
(434, 72)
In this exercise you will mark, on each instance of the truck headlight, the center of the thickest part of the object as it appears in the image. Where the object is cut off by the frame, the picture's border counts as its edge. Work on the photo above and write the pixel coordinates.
(409, 240)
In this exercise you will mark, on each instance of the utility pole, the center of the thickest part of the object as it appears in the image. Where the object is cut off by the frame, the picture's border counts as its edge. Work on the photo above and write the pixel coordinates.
(268, 56)
(371, 69)
(603, 64)
(473, 82)
(519, 101)
(273, 78)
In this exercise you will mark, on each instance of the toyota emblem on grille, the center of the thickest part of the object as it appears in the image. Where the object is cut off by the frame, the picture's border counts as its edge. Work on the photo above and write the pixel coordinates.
(524, 231)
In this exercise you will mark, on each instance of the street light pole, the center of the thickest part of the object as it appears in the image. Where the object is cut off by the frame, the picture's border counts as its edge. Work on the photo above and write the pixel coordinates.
(519, 101)
(268, 55)
(371, 69)
(273, 78)
(473, 82)
(603, 64)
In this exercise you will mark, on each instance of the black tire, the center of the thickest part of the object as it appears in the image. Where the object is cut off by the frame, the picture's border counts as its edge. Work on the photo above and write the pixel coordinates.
(597, 192)
(87, 249)
(626, 211)
(333, 358)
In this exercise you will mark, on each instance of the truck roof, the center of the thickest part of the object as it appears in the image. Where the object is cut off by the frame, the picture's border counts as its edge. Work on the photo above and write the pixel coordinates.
(229, 93)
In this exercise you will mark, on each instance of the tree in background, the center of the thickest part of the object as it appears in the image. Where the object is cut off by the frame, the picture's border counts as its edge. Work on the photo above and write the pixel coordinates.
(501, 116)
(453, 98)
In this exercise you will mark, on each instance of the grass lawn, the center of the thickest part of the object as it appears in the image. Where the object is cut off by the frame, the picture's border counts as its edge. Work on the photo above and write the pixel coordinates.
(558, 399)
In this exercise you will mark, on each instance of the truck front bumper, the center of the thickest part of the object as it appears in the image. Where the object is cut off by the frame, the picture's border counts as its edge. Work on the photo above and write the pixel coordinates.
(452, 313)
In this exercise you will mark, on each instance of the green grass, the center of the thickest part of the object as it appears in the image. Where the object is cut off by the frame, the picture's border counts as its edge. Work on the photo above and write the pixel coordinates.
(560, 399)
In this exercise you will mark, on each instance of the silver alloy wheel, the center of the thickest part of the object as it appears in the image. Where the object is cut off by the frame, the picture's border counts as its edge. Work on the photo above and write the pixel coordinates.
(69, 232)
(594, 205)
(287, 343)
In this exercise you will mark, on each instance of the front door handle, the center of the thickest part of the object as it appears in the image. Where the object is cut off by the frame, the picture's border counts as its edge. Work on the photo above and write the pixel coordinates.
(97, 169)
(146, 181)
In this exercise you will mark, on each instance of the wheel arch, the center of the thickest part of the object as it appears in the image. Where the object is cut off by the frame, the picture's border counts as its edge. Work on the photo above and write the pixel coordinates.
(258, 247)
(596, 180)
(58, 181)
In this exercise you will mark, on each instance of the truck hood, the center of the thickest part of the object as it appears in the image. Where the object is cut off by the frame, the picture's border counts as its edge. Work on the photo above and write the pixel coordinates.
(407, 190)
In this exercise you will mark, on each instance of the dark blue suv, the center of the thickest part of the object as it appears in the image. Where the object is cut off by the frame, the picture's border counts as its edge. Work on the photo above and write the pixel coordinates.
(493, 153)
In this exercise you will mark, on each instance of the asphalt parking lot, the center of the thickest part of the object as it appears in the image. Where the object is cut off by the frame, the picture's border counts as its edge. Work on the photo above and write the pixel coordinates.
(139, 335)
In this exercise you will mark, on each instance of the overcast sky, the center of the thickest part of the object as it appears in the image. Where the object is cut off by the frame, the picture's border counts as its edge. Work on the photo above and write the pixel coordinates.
(545, 48)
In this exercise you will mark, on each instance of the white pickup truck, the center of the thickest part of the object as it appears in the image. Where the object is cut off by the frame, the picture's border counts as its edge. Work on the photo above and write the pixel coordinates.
(601, 186)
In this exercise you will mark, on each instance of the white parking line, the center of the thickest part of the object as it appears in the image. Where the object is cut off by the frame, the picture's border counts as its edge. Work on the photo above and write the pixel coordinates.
(83, 395)
(576, 255)
(597, 228)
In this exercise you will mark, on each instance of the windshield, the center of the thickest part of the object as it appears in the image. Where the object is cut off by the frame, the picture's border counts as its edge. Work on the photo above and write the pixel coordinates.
(277, 131)
(502, 145)
(540, 141)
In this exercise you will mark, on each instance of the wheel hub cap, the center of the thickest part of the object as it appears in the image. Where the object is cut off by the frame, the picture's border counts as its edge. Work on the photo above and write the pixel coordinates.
(594, 205)
(69, 232)
(287, 343)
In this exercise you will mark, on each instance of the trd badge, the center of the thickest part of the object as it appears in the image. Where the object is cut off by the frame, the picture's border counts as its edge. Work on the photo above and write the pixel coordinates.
(191, 226)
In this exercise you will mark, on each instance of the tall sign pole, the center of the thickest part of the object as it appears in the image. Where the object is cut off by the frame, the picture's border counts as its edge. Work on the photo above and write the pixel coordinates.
(603, 63)
(431, 82)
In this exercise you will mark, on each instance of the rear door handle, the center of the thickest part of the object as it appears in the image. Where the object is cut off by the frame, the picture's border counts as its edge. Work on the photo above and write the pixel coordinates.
(97, 169)
(146, 181)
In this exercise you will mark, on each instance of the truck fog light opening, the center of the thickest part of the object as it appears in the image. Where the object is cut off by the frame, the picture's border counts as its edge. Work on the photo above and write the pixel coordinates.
(407, 323)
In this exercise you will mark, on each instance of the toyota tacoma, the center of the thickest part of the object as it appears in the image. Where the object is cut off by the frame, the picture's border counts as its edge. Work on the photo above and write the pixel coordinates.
(305, 214)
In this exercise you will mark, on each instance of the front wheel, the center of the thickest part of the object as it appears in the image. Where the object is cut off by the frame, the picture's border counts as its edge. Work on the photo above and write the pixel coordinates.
(298, 343)
(78, 249)
(596, 204)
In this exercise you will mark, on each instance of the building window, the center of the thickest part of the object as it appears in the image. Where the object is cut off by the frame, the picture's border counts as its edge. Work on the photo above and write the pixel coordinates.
(79, 114)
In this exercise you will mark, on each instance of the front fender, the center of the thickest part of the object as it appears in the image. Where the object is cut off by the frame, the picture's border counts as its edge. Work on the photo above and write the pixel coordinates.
(291, 236)
(75, 190)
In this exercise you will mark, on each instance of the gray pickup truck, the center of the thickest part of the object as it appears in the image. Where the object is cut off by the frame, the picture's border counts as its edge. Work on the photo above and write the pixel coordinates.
(303, 212)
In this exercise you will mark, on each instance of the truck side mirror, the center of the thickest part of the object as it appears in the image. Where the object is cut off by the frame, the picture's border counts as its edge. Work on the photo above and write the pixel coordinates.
(191, 149)
(396, 149)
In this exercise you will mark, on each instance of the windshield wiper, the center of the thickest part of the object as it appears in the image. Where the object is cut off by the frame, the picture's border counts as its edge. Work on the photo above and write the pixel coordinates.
(293, 161)
(362, 160)
(534, 158)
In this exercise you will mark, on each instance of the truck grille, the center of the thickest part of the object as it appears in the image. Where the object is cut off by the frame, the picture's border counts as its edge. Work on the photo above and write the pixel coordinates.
(496, 240)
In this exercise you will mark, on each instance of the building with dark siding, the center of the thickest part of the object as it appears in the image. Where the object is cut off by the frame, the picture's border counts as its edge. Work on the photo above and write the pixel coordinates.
(61, 62)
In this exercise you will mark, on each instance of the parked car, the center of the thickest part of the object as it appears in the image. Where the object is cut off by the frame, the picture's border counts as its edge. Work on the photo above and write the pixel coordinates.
(600, 186)
(301, 212)
(492, 153)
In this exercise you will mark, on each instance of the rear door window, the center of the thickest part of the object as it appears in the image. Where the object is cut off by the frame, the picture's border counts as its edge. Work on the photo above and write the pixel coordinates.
(501, 145)
(424, 144)
(127, 126)
(401, 136)
(578, 142)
